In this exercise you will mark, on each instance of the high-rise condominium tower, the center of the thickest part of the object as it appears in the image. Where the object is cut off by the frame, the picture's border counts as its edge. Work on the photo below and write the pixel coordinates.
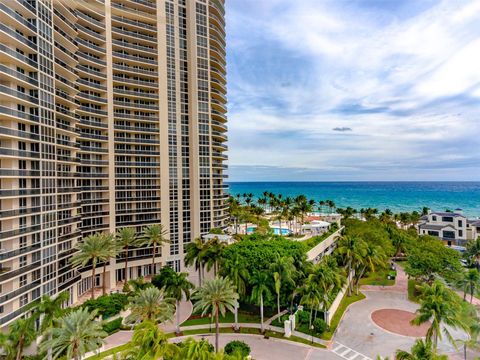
(112, 114)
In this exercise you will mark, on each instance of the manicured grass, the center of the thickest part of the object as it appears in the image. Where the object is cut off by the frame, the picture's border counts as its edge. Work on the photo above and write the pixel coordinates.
(109, 352)
(378, 278)
(229, 318)
(412, 292)
(344, 304)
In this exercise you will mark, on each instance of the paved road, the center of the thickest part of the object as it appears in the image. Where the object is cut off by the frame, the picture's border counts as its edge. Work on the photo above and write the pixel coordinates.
(357, 330)
(263, 349)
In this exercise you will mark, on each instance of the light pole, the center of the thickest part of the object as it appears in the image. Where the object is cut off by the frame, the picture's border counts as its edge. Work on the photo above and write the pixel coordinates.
(311, 330)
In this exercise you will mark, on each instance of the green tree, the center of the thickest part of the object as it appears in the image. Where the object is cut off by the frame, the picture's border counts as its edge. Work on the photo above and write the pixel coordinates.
(421, 350)
(194, 256)
(213, 251)
(469, 282)
(195, 350)
(150, 304)
(216, 296)
(154, 235)
(126, 238)
(20, 335)
(110, 250)
(440, 306)
(89, 250)
(260, 282)
(373, 258)
(352, 249)
(236, 271)
(178, 287)
(76, 334)
(49, 310)
(311, 297)
(283, 271)
(149, 343)
(473, 252)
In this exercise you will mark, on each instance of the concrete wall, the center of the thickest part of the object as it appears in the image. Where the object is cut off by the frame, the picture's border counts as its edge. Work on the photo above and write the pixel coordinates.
(315, 254)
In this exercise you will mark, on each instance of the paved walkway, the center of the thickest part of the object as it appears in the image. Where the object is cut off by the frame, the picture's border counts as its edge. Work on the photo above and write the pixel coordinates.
(400, 286)
(123, 336)
(274, 317)
(272, 348)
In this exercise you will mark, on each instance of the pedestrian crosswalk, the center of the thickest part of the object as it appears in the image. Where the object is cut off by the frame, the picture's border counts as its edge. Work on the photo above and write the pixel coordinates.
(347, 353)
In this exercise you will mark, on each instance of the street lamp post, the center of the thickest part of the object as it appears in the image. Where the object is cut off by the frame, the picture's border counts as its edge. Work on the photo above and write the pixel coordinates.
(311, 330)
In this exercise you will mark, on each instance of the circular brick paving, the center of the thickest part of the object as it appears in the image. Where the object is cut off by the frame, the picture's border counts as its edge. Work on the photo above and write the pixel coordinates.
(398, 322)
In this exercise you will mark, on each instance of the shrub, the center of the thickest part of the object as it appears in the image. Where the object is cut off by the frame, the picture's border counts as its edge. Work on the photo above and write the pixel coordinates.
(303, 317)
(112, 326)
(107, 305)
(237, 347)
(320, 326)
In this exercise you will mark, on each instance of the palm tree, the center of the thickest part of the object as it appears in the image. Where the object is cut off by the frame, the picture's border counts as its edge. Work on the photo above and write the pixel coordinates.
(473, 252)
(421, 350)
(439, 306)
(311, 296)
(154, 235)
(21, 334)
(194, 255)
(373, 256)
(89, 250)
(49, 310)
(196, 350)
(178, 287)
(283, 271)
(126, 238)
(469, 316)
(234, 268)
(216, 296)
(352, 250)
(149, 342)
(76, 334)
(260, 282)
(150, 304)
(469, 282)
(110, 251)
(212, 253)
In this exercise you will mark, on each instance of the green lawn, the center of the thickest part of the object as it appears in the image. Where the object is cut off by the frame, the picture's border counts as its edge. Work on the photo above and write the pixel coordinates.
(229, 318)
(378, 278)
(112, 351)
(412, 293)
(346, 301)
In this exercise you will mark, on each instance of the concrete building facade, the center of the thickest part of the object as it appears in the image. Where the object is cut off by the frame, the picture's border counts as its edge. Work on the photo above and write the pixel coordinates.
(112, 114)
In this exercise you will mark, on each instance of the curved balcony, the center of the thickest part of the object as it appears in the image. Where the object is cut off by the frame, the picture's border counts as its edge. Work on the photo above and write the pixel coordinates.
(219, 135)
(128, 45)
(135, 35)
(134, 58)
(89, 33)
(216, 115)
(135, 94)
(135, 82)
(139, 24)
(219, 85)
(15, 95)
(90, 20)
(134, 70)
(219, 146)
(90, 47)
(219, 126)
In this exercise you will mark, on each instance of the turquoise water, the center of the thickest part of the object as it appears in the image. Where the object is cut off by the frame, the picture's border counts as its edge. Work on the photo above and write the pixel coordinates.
(276, 230)
(396, 196)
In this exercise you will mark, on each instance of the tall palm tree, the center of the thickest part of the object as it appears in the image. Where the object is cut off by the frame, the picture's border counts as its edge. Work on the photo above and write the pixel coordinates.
(469, 282)
(149, 343)
(126, 238)
(440, 306)
(311, 296)
(49, 310)
(260, 282)
(352, 250)
(89, 250)
(150, 304)
(283, 271)
(216, 296)
(154, 235)
(21, 334)
(421, 350)
(194, 255)
(213, 250)
(234, 268)
(76, 334)
(373, 257)
(178, 287)
(110, 251)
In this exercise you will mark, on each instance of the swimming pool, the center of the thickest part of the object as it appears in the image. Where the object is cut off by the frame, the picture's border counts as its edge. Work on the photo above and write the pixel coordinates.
(276, 230)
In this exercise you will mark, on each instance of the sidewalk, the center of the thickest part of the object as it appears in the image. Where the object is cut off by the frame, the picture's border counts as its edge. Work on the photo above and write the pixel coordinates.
(400, 286)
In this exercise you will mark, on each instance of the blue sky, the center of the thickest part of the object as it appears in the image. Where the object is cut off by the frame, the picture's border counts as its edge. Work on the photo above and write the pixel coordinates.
(354, 90)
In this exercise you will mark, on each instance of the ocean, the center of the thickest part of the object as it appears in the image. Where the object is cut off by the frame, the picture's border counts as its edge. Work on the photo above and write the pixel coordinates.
(396, 196)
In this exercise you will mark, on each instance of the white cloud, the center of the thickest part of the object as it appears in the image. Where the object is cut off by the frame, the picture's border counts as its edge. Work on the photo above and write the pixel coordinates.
(403, 79)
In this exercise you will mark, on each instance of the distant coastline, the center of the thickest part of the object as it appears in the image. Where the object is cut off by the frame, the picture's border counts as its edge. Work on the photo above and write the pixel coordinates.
(395, 195)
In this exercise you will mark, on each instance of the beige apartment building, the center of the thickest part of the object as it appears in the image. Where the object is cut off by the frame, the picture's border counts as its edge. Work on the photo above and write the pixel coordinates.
(112, 114)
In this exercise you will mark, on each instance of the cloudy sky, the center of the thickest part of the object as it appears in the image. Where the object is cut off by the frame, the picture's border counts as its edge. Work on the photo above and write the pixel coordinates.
(354, 90)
